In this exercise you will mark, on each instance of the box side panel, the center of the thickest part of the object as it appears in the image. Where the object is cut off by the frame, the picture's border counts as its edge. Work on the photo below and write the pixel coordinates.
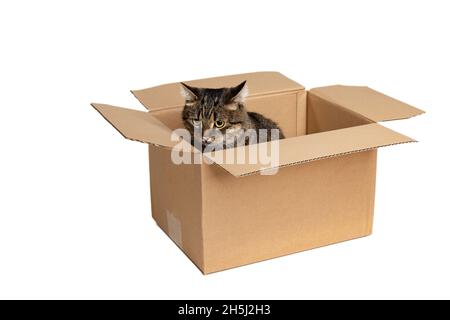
(301, 112)
(282, 108)
(176, 202)
(324, 115)
(260, 217)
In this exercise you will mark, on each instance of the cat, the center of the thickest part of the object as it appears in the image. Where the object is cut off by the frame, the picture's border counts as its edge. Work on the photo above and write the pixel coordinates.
(217, 118)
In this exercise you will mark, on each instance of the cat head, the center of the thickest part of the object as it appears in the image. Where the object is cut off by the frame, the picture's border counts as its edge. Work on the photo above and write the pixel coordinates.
(211, 111)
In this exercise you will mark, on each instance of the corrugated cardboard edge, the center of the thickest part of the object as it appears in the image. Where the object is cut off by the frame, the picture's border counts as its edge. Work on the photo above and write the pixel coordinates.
(121, 124)
(326, 157)
(114, 117)
(311, 160)
(371, 136)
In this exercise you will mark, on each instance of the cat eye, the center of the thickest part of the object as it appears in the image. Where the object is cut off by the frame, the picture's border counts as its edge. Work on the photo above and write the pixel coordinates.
(219, 124)
(196, 123)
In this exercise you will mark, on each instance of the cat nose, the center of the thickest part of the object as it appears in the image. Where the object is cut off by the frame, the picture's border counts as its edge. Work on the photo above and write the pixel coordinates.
(207, 139)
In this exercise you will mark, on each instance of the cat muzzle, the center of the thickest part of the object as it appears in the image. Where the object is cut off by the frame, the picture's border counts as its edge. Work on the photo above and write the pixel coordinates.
(208, 140)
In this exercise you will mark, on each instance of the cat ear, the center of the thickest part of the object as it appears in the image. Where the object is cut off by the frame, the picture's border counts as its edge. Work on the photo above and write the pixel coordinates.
(189, 93)
(239, 93)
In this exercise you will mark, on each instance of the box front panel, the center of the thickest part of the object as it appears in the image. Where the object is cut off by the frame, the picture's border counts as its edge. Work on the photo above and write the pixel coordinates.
(258, 217)
(176, 201)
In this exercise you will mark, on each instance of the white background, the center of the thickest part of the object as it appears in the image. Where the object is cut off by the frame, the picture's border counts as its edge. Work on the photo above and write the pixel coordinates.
(74, 210)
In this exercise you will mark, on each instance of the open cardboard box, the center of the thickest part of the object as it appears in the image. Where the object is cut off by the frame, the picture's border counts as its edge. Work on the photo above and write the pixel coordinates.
(228, 214)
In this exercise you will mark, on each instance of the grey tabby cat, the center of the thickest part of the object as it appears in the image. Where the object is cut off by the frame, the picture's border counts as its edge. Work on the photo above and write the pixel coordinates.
(218, 118)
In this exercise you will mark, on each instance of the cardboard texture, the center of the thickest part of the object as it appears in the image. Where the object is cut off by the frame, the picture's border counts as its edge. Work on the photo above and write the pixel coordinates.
(226, 215)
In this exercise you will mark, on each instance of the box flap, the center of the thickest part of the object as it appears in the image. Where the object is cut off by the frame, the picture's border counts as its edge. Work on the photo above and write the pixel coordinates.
(136, 125)
(367, 102)
(322, 145)
(259, 83)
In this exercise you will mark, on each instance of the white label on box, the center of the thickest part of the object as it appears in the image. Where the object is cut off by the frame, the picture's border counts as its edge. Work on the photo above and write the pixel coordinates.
(174, 228)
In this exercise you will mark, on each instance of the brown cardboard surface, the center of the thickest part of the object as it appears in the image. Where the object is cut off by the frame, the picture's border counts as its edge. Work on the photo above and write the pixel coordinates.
(367, 102)
(324, 115)
(301, 114)
(260, 217)
(259, 83)
(317, 146)
(136, 125)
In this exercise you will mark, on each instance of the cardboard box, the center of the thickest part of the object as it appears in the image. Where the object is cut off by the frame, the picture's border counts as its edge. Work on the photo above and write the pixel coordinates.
(227, 214)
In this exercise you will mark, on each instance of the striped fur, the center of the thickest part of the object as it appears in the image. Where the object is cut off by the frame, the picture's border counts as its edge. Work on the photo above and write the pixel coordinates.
(221, 110)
